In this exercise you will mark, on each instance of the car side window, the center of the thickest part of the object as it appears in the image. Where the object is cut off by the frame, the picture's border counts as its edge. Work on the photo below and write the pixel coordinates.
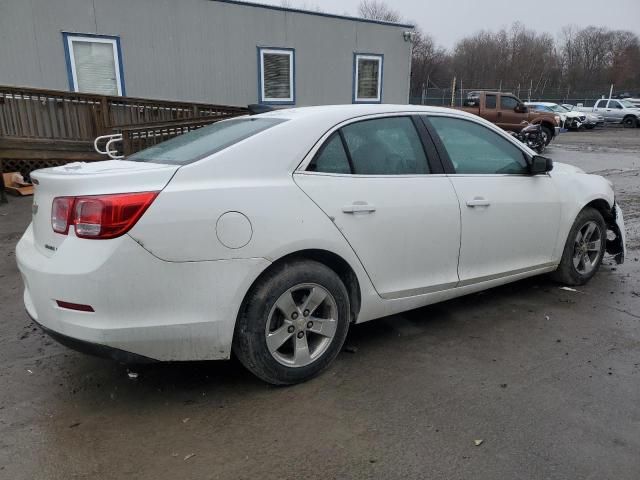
(508, 103)
(331, 158)
(490, 101)
(601, 104)
(475, 149)
(385, 146)
(614, 104)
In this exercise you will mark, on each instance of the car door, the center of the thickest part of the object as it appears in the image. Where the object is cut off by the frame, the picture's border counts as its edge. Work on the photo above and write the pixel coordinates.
(601, 108)
(615, 111)
(508, 118)
(510, 219)
(389, 197)
(491, 112)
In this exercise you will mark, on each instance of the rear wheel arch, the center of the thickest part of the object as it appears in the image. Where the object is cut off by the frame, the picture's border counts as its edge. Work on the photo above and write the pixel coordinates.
(332, 260)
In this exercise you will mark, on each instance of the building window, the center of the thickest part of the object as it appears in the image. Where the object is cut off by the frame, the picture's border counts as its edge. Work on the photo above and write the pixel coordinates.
(94, 64)
(367, 78)
(277, 75)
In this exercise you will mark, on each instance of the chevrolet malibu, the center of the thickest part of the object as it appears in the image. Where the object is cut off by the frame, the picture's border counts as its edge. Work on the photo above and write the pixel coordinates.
(268, 235)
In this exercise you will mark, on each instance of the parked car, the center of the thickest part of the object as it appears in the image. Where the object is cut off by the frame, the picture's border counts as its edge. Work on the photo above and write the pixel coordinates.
(593, 119)
(616, 111)
(508, 112)
(571, 120)
(270, 234)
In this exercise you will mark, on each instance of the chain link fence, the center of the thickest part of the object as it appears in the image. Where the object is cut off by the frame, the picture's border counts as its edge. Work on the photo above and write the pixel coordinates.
(445, 97)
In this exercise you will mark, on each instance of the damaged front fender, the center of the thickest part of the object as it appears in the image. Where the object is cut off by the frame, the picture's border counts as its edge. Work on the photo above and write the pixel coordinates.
(618, 245)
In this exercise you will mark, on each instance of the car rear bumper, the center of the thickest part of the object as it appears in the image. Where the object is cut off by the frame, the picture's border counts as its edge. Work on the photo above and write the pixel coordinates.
(142, 305)
(95, 349)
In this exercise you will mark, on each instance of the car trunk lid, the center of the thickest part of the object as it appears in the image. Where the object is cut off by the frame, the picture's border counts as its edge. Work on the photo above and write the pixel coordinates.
(79, 179)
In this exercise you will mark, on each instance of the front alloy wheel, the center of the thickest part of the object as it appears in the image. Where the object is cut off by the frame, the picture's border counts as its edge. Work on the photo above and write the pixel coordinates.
(587, 248)
(584, 249)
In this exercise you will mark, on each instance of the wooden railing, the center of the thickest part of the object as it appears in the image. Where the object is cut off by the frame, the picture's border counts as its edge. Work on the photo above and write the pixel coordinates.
(41, 128)
(52, 114)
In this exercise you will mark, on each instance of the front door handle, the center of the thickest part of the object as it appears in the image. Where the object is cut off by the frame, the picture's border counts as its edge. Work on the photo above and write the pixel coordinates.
(359, 207)
(478, 202)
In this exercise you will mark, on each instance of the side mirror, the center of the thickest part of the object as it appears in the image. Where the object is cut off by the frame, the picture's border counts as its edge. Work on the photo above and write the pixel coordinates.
(540, 165)
(520, 108)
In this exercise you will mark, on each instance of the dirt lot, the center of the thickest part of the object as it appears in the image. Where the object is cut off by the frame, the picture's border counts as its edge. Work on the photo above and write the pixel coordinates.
(548, 379)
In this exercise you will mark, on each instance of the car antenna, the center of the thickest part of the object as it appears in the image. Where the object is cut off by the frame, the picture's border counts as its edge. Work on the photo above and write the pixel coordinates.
(256, 109)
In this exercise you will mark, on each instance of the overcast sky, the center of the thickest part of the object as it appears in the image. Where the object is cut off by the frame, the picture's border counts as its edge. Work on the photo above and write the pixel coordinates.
(449, 20)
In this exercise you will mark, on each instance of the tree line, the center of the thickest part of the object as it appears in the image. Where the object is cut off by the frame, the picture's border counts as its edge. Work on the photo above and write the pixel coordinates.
(579, 61)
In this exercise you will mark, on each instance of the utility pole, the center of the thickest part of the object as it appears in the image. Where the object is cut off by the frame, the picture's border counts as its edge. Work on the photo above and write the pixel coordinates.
(453, 92)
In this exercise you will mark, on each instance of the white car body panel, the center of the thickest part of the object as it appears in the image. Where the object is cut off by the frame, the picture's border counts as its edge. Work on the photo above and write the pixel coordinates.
(517, 230)
(412, 217)
(172, 287)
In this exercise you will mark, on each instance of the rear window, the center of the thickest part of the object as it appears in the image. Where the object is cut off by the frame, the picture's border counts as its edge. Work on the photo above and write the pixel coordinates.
(205, 141)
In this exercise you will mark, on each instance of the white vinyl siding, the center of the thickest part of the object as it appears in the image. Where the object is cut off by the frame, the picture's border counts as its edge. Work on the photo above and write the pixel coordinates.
(276, 76)
(95, 65)
(368, 79)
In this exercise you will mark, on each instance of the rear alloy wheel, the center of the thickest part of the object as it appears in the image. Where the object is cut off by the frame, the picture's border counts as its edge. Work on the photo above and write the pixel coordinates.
(584, 250)
(293, 324)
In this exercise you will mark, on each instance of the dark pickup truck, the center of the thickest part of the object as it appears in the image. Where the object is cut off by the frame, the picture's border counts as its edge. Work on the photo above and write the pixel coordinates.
(508, 112)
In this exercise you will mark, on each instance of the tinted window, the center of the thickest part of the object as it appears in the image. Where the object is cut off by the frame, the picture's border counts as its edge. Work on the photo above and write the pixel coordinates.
(614, 104)
(385, 146)
(490, 101)
(205, 141)
(331, 158)
(509, 103)
(473, 148)
(601, 104)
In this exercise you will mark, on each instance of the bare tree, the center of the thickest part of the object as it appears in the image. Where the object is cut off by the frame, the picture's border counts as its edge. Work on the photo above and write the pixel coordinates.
(312, 7)
(377, 10)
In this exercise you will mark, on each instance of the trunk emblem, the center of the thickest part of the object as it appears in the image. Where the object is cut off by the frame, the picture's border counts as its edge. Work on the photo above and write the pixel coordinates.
(34, 209)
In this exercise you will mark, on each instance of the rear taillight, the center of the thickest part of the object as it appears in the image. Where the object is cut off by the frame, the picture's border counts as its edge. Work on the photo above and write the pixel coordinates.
(99, 216)
(60, 212)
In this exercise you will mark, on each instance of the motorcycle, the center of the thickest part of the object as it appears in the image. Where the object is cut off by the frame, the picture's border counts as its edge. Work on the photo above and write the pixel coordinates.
(531, 136)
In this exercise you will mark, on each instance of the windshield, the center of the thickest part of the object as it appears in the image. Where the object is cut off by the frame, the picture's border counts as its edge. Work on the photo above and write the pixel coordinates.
(205, 141)
(627, 104)
(559, 109)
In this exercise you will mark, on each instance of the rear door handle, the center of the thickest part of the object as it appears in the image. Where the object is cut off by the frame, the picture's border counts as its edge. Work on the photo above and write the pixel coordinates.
(359, 207)
(478, 202)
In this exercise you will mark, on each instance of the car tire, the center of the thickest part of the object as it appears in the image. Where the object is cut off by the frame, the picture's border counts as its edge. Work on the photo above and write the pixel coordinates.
(629, 122)
(589, 127)
(584, 249)
(274, 313)
(547, 134)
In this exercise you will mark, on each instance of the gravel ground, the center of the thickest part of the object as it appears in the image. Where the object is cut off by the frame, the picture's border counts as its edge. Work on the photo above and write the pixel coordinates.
(545, 380)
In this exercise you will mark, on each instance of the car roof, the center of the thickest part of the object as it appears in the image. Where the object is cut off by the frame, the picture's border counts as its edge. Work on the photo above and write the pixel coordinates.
(337, 113)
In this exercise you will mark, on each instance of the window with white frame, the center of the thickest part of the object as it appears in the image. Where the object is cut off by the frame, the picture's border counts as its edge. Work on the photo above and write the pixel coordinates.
(367, 78)
(94, 64)
(277, 82)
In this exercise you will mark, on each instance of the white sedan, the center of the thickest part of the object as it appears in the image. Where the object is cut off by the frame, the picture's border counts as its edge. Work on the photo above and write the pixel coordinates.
(268, 235)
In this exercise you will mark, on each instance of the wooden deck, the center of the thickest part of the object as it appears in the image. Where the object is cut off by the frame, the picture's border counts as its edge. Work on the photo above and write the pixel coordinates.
(41, 128)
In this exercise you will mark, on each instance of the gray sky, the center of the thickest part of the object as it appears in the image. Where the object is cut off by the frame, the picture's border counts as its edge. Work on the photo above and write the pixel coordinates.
(449, 20)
